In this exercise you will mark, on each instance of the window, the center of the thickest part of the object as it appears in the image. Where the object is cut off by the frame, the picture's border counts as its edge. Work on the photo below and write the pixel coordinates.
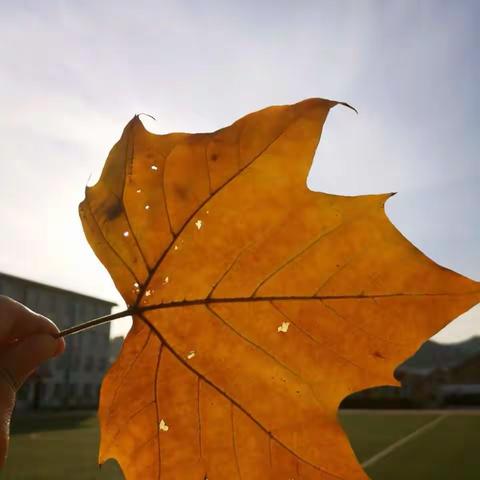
(79, 312)
(45, 370)
(57, 391)
(87, 391)
(102, 364)
(45, 302)
(102, 310)
(89, 363)
(93, 338)
(56, 364)
(41, 390)
(72, 390)
(91, 311)
(31, 298)
(61, 362)
(24, 392)
(75, 362)
(80, 339)
(68, 311)
(14, 290)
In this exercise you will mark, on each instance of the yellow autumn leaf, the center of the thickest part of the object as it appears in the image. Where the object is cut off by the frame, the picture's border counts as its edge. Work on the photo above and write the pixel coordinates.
(258, 304)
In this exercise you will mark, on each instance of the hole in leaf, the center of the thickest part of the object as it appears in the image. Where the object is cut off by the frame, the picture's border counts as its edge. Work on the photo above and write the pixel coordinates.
(163, 426)
(283, 328)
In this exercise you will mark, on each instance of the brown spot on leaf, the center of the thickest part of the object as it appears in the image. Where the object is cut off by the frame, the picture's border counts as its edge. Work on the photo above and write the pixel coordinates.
(113, 211)
(181, 191)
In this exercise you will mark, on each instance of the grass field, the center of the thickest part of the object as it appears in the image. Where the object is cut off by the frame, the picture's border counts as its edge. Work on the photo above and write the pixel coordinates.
(64, 446)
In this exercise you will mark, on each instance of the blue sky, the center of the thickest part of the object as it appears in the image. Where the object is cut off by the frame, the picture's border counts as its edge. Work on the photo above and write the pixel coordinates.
(73, 73)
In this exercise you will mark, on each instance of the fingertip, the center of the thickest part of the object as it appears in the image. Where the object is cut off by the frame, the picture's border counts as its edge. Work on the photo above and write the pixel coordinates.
(61, 345)
(46, 325)
(18, 321)
(43, 346)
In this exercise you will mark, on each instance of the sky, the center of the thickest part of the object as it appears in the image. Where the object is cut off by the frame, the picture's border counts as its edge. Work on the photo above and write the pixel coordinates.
(73, 73)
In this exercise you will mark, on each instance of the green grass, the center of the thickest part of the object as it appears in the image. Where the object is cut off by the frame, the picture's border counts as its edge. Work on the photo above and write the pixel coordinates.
(372, 433)
(55, 447)
(449, 451)
(64, 446)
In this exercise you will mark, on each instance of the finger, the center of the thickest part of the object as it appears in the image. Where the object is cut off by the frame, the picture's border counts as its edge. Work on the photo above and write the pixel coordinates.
(24, 356)
(7, 402)
(16, 364)
(18, 321)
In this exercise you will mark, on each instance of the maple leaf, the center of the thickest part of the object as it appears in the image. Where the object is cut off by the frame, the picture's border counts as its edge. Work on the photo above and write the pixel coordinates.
(258, 304)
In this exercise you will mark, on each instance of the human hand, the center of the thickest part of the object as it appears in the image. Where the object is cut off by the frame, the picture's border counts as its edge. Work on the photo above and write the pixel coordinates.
(26, 340)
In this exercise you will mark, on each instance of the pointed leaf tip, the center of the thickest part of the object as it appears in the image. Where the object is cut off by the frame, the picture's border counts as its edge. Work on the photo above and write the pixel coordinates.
(146, 114)
(345, 104)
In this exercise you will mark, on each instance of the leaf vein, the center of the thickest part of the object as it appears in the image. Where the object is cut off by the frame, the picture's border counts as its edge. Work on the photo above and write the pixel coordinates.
(155, 386)
(124, 263)
(125, 374)
(201, 205)
(234, 445)
(227, 396)
(255, 345)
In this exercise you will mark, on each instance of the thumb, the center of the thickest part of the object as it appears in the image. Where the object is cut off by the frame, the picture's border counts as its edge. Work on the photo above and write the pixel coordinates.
(25, 355)
(16, 364)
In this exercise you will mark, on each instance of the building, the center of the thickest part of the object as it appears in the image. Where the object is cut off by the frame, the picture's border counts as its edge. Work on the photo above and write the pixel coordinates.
(456, 384)
(460, 385)
(443, 374)
(115, 348)
(438, 375)
(74, 378)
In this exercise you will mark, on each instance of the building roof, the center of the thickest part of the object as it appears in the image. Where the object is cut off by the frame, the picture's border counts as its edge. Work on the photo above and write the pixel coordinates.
(460, 389)
(419, 371)
(56, 289)
(433, 355)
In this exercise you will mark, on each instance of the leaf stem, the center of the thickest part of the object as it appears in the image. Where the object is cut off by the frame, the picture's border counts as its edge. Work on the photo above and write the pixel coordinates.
(95, 322)
(135, 310)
